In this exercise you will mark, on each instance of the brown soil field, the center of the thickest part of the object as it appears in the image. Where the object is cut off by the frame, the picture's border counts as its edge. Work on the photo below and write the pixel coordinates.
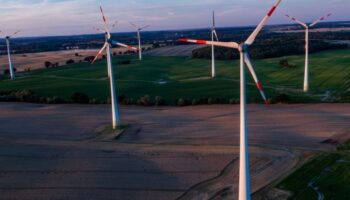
(51, 151)
(36, 60)
(179, 50)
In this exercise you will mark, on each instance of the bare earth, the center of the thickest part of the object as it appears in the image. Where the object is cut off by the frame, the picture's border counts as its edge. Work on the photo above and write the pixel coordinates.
(50, 151)
(36, 60)
(179, 50)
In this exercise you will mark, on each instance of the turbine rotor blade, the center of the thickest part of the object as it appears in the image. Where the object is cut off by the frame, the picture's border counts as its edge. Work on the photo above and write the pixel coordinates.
(216, 35)
(108, 30)
(100, 52)
(115, 24)
(123, 45)
(213, 19)
(134, 25)
(233, 45)
(296, 20)
(15, 33)
(98, 30)
(252, 37)
(145, 27)
(321, 19)
(252, 72)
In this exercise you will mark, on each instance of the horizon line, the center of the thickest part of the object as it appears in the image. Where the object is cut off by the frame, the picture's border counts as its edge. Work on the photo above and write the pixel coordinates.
(159, 30)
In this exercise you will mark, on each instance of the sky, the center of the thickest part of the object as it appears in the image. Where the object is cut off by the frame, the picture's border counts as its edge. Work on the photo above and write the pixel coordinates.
(73, 17)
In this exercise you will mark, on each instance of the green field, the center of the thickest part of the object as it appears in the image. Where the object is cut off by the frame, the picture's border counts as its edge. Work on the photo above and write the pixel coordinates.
(329, 172)
(189, 78)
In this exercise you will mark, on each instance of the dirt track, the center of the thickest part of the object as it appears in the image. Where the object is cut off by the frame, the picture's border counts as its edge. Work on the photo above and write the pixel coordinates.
(47, 151)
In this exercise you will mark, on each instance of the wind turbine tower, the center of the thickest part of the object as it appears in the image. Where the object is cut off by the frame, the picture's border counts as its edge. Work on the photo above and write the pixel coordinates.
(139, 29)
(307, 28)
(214, 35)
(244, 177)
(11, 68)
(107, 46)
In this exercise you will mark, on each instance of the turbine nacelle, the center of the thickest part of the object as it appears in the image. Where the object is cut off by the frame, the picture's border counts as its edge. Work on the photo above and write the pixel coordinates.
(243, 47)
(109, 42)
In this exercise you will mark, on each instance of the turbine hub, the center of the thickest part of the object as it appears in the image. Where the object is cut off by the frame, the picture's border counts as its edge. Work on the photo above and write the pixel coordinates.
(243, 47)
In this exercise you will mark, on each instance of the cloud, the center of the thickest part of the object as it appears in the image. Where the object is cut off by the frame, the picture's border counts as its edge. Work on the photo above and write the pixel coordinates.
(56, 17)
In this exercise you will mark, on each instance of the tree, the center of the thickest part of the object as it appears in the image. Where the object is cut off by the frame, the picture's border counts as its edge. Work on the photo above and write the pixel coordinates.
(284, 62)
(89, 58)
(70, 61)
(78, 97)
(48, 64)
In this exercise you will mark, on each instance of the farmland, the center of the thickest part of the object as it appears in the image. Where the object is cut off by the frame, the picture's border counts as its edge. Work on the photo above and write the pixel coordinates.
(182, 77)
(51, 151)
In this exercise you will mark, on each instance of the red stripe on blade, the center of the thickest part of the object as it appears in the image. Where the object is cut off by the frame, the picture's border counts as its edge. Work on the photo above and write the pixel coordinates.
(182, 40)
(271, 11)
(259, 86)
(201, 42)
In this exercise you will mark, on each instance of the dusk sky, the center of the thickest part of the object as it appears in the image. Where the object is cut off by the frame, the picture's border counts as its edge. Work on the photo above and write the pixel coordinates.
(68, 17)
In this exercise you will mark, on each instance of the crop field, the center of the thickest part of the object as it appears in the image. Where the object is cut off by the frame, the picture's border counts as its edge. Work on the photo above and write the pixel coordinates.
(182, 77)
(324, 177)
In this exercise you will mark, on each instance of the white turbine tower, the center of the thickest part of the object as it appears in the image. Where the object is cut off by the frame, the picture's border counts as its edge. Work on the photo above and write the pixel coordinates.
(7, 38)
(107, 46)
(139, 29)
(214, 35)
(307, 28)
(244, 179)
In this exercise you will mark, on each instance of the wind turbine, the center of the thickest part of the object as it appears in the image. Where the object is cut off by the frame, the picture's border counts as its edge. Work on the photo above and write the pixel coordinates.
(139, 29)
(307, 27)
(213, 35)
(244, 179)
(7, 38)
(100, 30)
(107, 46)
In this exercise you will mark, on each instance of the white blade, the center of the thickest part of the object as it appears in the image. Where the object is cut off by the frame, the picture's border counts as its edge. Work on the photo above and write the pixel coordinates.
(213, 19)
(98, 30)
(108, 30)
(321, 19)
(124, 45)
(15, 33)
(100, 52)
(134, 25)
(258, 85)
(115, 24)
(144, 27)
(220, 44)
(296, 20)
(216, 35)
(252, 37)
